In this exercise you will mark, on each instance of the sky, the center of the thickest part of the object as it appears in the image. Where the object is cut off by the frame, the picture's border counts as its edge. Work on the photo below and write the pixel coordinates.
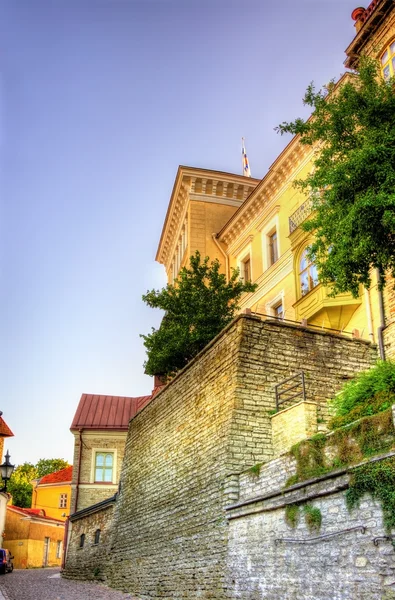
(100, 101)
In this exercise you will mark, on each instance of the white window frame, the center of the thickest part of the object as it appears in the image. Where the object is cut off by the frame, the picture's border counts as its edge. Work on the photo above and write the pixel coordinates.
(272, 226)
(279, 299)
(112, 451)
(241, 259)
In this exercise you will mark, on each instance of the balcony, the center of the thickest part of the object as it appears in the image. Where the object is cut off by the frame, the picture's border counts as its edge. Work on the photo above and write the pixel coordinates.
(319, 308)
(300, 215)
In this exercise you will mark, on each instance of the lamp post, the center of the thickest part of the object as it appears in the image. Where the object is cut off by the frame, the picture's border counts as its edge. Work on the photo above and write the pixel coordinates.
(6, 470)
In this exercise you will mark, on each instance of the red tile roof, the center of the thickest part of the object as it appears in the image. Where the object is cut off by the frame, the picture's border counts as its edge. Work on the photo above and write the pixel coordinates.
(62, 476)
(5, 431)
(107, 412)
(33, 512)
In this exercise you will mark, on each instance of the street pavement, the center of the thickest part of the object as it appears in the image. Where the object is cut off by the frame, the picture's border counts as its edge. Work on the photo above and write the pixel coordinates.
(47, 584)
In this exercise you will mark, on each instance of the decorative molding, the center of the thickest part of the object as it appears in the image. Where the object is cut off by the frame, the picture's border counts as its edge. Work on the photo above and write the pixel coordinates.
(215, 199)
(269, 279)
(236, 251)
(268, 217)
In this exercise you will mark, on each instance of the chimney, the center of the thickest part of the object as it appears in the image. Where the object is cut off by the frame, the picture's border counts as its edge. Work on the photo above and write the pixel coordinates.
(358, 15)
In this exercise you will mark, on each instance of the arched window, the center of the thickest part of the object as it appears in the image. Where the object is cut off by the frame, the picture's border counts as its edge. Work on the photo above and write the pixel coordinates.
(82, 540)
(388, 61)
(97, 536)
(308, 276)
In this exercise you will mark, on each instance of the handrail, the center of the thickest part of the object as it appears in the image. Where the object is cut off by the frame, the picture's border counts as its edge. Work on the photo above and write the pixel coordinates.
(281, 396)
(360, 528)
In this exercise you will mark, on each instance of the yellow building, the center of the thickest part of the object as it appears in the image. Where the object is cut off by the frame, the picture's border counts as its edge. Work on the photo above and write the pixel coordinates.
(34, 539)
(52, 494)
(254, 224)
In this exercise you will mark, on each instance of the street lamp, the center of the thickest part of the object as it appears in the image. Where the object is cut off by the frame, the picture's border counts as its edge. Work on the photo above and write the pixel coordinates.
(6, 470)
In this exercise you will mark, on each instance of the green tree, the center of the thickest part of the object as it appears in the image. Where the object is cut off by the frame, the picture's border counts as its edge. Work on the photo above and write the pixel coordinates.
(197, 307)
(45, 466)
(352, 185)
(20, 487)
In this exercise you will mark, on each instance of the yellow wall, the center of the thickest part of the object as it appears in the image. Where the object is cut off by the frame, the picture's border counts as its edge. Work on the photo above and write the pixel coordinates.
(47, 497)
(25, 539)
(242, 230)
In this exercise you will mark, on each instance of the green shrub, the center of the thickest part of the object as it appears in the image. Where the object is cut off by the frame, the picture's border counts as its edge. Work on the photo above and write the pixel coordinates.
(292, 515)
(369, 393)
(312, 517)
(378, 480)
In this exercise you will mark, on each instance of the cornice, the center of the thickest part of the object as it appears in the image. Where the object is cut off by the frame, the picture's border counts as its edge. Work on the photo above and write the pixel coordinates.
(370, 21)
(282, 171)
(203, 185)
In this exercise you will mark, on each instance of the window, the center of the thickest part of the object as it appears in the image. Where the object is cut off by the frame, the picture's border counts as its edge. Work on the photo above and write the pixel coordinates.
(82, 540)
(247, 269)
(104, 466)
(272, 247)
(278, 310)
(97, 536)
(308, 276)
(388, 62)
(63, 501)
(58, 549)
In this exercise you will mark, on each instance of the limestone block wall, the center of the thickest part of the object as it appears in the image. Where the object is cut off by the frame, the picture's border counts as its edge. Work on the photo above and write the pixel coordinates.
(90, 560)
(185, 449)
(292, 425)
(349, 558)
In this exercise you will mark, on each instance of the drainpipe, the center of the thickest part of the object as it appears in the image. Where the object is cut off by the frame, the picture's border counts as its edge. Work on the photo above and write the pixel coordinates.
(77, 489)
(368, 313)
(382, 317)
(214, 236)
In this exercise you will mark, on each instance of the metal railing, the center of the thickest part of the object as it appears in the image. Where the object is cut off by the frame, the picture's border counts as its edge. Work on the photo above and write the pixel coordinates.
(325, 536)
(300, 215)
(295, 382)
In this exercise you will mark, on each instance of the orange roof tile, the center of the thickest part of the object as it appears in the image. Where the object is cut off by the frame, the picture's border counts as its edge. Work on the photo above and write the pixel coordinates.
(33, 512)
(62, 476)
(5, 431)
(106, 412)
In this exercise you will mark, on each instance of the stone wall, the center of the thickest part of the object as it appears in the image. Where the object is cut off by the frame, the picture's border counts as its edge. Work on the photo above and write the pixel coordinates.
(185, 448)
(91, 560)
(349, 558)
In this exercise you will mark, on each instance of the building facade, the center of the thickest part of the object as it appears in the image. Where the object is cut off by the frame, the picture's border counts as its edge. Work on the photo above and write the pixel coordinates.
(255, 225)
(100, 428)
(52, 494)
(34, 539)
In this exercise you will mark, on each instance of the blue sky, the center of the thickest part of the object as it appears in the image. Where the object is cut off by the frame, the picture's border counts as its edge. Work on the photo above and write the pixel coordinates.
(100, 101)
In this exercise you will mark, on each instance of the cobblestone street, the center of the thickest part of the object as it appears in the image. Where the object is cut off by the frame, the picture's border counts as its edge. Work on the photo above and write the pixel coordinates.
(46, 584)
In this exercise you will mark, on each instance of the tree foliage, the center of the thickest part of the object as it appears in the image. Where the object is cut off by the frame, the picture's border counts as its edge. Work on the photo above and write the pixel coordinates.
(198, 306)
(352, 185)
(20, 487)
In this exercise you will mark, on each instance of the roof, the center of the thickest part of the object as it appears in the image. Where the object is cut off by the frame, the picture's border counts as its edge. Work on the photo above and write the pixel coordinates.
(93, 508)
(107, 412)
(369, 20)
(62, 476)
(5, 431)
(34, 512)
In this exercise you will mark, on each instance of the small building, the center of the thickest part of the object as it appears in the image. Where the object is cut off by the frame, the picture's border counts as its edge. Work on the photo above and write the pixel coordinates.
(100, 428)
(34, 539)
(52, 493)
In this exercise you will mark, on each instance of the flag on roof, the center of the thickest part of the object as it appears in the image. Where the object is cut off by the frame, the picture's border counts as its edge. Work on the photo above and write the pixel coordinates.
(246, 164)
